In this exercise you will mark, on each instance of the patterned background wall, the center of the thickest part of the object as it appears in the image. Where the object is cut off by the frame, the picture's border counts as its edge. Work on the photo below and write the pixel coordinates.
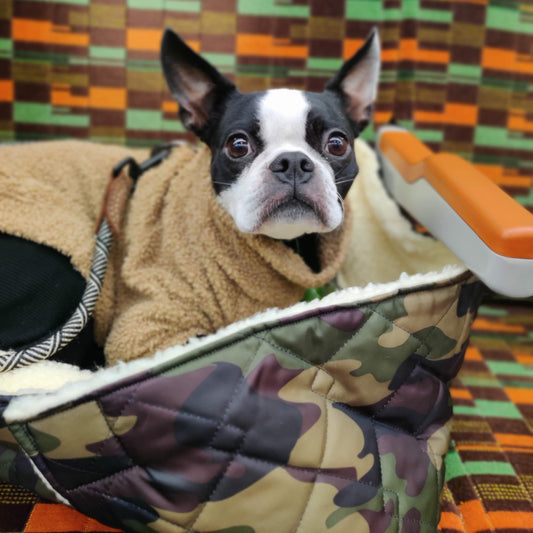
(457, 73)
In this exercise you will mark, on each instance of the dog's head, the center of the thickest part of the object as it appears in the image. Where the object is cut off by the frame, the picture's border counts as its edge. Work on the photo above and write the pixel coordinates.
(282, 159)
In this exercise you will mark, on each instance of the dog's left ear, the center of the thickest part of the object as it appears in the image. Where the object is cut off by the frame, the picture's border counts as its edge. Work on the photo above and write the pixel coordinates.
(357, 80)
(198, 86)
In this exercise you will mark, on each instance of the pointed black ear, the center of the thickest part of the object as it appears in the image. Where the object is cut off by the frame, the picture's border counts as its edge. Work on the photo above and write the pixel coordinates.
(197, 86)
(357, 80)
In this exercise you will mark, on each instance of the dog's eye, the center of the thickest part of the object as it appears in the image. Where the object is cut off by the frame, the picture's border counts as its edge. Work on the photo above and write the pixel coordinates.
(238, 146)
(337, 144)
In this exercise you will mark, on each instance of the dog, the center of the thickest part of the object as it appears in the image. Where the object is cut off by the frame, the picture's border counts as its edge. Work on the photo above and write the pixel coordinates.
(216, 233)
(282, 159)
(249, 220)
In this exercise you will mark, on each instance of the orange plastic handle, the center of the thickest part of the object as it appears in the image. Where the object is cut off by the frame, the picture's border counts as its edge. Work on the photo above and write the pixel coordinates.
(501, 222)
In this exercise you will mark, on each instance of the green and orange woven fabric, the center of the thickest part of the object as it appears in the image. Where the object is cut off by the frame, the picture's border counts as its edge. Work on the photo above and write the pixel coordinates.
(489, 468)
(456, 73)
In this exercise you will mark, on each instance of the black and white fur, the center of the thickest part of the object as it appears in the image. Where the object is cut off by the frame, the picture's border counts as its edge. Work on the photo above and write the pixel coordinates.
(282, 159)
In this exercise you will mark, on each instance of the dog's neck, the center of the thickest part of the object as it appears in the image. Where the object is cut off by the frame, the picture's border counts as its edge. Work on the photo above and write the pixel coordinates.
(306, 247)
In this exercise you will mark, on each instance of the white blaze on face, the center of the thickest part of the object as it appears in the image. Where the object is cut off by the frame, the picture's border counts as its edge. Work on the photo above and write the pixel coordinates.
(282, 116)
(282, 119)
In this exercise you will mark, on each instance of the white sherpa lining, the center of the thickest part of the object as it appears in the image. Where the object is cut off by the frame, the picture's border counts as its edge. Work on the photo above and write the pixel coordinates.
(384, 244)
(386, 252)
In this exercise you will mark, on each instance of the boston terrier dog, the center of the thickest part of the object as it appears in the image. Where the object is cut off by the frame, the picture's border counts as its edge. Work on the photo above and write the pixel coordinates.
(282, 159)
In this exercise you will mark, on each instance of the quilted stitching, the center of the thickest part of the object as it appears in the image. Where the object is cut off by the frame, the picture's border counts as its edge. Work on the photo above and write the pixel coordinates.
(126, 410)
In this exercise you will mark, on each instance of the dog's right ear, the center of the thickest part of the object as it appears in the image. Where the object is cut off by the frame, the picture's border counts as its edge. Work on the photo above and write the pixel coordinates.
(197, 86)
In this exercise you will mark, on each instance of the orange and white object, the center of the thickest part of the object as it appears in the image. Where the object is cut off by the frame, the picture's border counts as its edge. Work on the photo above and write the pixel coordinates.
(484, 227)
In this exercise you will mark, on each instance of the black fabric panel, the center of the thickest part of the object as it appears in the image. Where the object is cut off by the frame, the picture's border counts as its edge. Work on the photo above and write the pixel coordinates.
(39, 290)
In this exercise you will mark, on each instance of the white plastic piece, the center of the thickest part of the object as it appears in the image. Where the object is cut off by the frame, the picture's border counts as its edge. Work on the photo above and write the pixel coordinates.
(508, 276)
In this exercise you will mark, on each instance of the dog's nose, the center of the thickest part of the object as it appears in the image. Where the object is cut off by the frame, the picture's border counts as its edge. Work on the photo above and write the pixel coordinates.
(292, 167)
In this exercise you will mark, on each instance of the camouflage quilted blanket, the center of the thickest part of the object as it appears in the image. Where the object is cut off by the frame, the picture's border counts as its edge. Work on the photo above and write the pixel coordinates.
(328, 416)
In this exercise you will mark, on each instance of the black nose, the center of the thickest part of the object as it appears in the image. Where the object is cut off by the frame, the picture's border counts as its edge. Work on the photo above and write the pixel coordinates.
(292, 167)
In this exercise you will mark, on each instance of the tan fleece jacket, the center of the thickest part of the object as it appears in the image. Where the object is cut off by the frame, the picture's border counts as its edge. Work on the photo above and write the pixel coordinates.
(180, 268)
(51, 192)
(188, 271)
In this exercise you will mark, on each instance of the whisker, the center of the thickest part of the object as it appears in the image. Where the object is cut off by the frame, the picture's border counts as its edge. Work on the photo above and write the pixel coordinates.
(341, 202)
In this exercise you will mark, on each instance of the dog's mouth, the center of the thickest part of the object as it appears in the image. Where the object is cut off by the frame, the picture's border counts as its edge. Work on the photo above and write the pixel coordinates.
(291, 208)
(290, 217)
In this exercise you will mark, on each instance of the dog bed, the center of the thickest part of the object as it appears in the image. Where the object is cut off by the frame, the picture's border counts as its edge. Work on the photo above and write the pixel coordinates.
(329, 415)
